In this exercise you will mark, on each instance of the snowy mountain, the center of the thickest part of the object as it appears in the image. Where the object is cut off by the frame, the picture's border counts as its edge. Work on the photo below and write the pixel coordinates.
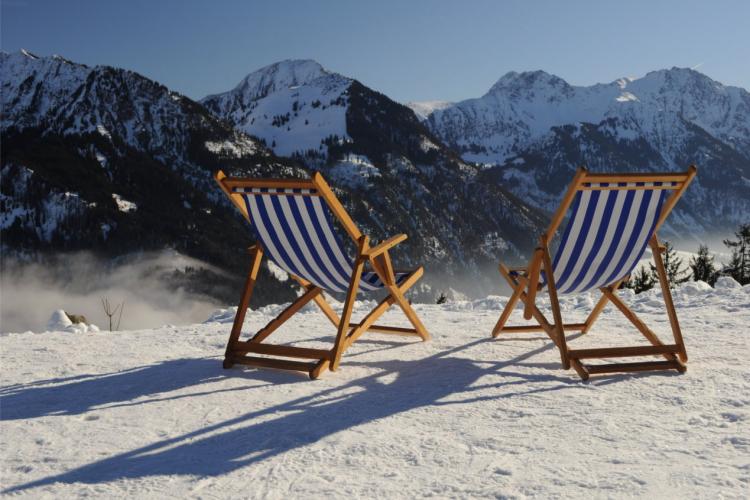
(288, 96)
(406, 179)
(106, 160)
(537, 128)
(521, 108)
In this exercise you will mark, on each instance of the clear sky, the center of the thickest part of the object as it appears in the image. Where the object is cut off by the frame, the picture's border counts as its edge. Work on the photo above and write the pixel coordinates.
(409, 50)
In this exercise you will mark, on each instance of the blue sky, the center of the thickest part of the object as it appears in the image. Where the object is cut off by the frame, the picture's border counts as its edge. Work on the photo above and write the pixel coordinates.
(409, 50)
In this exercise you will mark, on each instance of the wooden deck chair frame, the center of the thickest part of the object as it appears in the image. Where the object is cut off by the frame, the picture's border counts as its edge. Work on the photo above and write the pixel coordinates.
(525, 283)
(378, 257)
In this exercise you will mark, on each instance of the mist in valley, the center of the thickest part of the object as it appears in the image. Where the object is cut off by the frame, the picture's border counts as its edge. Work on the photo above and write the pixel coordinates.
(148, 285)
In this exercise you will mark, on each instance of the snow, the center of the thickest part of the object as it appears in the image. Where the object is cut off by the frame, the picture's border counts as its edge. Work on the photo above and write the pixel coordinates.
(276, 271)
(626, 96)
(236, 148)
(60, 322)
(427, 145)
(124, 205)
(521, 108)
(423, 109)
(151, 413)
(293, 105)
(353, 171)
(102, 130)
(726, 283)
(101, 159)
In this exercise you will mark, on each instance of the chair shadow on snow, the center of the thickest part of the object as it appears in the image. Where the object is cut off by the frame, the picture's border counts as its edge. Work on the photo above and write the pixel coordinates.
(84, 393)
(398, 387)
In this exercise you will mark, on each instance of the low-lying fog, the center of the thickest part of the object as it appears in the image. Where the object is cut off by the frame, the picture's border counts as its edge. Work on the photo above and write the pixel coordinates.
(76, 283)
(29, 293)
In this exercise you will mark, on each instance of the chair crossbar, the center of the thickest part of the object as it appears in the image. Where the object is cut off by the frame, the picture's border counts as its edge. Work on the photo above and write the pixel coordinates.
(671, 186)
(237, 182)
(275, 192)
(635, 367)
(280, 350)
(397, 330)
(537, 328)
(619, 352)
(280, 364)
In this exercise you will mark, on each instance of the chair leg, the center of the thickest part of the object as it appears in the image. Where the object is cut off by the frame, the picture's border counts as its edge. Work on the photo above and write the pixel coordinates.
(555, 305)
(370, 319)
(411, 315)
(668, 303)
(346, 314)
(321, 302)
(546, 326)
(287, 313)
(517, 291)
(384, 269)
(595, 312)
(256, 255)
(600, 305)
(636, 321)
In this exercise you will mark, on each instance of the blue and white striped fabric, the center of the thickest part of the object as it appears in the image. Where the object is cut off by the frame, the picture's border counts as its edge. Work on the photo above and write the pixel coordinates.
(297, 234)
(607, 234)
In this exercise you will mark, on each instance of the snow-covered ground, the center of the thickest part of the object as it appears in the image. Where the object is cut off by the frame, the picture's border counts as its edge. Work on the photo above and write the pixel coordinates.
(151, 413)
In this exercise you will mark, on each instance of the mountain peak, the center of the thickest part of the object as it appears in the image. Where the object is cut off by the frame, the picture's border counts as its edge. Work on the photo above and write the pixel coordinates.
(676, 76)
(28, 54)
(23, 58)
(514, 81)
(280, 75)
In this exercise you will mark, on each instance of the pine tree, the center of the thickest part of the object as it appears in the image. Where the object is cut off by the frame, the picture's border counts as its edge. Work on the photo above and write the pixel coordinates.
(703, 266)
(641, 281)
(673, 265)
(739, 265)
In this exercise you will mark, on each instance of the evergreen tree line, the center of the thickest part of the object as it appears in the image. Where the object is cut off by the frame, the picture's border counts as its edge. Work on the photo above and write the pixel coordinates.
(702, 267)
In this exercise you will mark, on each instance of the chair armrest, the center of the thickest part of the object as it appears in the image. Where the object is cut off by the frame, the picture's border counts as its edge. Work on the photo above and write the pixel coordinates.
(384, 246)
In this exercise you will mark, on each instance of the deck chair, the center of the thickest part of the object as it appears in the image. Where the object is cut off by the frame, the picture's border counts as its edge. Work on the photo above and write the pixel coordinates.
(294, 229)
(613, 218)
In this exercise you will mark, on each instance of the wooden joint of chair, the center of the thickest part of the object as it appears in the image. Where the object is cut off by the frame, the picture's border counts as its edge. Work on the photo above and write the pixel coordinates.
(373, 252)
(657, 245)
(363, 247)
(533, 280)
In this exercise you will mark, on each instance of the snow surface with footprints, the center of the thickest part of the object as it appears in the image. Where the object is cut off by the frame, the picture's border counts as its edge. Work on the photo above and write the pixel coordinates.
(151, 413)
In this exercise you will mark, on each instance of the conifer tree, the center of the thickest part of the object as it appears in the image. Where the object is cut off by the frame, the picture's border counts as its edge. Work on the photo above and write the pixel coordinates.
(673, 265)
(739, 265)
(703, 266)
(641, 281)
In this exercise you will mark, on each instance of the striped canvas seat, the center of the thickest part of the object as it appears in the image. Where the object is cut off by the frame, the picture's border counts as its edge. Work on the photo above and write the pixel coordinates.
(297, 232)
(607, 234)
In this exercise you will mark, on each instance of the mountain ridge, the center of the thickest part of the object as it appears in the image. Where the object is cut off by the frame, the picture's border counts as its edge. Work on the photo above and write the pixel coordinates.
(531, 130)
(363, 140)
(84, 145)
